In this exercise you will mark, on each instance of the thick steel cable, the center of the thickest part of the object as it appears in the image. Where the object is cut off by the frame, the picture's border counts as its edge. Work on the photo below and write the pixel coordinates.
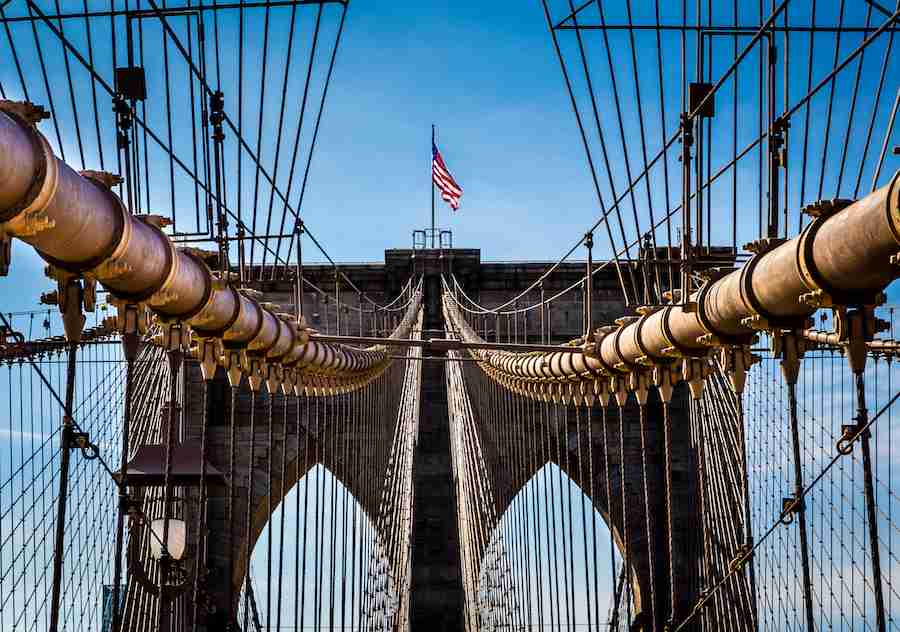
(732, 68)
(96, 77)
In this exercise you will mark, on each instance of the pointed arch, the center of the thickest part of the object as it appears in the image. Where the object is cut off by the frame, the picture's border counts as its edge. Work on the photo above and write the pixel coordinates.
(563, 560)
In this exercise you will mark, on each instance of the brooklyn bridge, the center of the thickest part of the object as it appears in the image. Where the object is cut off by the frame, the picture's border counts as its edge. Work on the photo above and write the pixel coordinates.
(214, 417)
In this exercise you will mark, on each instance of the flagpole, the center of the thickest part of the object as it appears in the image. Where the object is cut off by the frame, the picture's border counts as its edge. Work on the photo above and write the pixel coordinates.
(432, 186)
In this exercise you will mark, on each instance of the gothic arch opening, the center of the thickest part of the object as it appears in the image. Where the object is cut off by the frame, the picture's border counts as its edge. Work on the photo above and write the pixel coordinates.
(319, 562)
(553, 561)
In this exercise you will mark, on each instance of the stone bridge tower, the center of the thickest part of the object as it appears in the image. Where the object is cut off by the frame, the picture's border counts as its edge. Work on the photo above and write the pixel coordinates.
(436, 600)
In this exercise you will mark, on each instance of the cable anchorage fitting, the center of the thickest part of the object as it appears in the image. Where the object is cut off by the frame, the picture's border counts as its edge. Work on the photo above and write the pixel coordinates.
(791, 505)
(850, 433)
(81, 441)
(744, 554)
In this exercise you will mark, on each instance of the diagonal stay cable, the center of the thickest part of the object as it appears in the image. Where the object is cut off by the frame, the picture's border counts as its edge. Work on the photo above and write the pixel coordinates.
(602, 266)
(674, 137)
(259, 123)
(712, 591)
(614, 83)
(95, 75)
(280, 136)
(105, 85)
(586, 145)
(160, 14)
(194, 70)
(602, 137)
(875, 107)
(295, 152)
(69, 413)
(312, 145)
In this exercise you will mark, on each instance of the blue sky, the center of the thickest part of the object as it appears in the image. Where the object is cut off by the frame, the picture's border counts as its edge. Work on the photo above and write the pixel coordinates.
(486, 74)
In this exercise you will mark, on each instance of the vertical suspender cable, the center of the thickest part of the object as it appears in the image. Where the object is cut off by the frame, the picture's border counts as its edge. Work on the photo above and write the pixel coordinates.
(624, 493)
(254, 380)
(234, 378)
(613, 622)
(270, 397)
(584, 530)
(130, 341)
(209, 372)
(862, 418)
(648, 511)
(175, 357)
(73, 307)
(791, 369)
(300, 615)
(670, 524)
(282, 495)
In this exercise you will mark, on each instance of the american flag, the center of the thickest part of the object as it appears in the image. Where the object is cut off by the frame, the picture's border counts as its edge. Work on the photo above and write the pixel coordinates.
(450, 191)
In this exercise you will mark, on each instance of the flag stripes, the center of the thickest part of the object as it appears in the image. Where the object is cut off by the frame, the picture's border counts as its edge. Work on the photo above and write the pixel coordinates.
(440, 175)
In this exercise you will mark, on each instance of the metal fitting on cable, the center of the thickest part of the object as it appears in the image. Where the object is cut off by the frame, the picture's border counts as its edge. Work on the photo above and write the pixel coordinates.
(254, 370)
(694, 371)
(736, 361)
(790, 505)
(208, 354)
(665, 376)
